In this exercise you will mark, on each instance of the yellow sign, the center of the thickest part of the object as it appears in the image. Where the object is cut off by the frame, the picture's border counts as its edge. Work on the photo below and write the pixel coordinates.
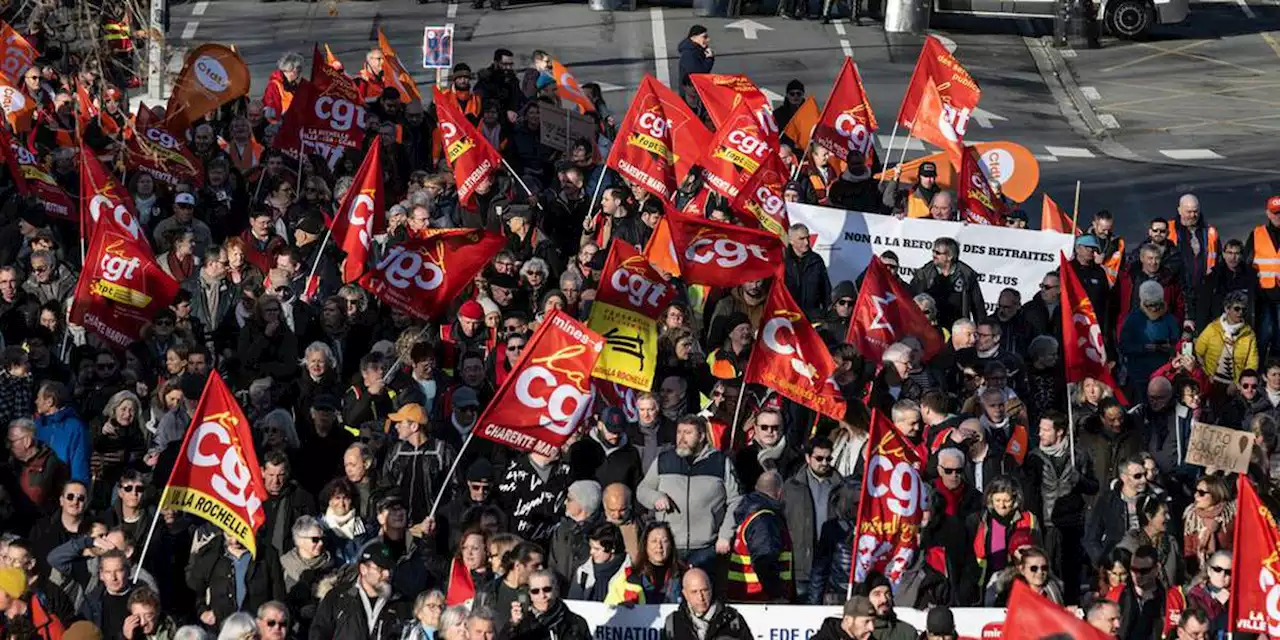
(630, 353)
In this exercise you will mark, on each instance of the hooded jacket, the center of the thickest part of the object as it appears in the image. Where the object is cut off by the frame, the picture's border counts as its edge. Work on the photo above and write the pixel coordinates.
(68, 436)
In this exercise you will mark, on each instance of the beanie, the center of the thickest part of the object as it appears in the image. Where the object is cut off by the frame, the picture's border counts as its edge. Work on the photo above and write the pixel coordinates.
(471, 310)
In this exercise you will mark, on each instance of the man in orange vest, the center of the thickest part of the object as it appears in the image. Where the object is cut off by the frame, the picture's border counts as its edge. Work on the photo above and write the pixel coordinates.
(1110, 254)
(1260, 250)
(760, 561)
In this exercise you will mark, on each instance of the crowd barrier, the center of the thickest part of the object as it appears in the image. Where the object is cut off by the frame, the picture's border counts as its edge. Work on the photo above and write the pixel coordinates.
(767, 622)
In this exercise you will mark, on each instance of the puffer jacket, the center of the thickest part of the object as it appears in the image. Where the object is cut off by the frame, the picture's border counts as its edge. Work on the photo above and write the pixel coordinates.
(707, 486)
(1212, 342)
(68, 436)
(829, 573)
(1056, 490)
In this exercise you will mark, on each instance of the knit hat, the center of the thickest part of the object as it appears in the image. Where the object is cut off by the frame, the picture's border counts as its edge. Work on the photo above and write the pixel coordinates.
(795, 85)
(13, 582)
(696, 30)
(489, 306)
(471, 310)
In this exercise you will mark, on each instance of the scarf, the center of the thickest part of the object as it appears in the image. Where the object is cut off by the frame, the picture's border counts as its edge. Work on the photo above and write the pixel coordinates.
(1224, 370)
(294, 565)
(1057, 450)
(702, 623)
(772, 453)
(991, 353)
(347, 527)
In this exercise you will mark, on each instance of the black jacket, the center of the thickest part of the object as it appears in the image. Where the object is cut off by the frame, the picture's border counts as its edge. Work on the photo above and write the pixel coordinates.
(1055, 491)
(1108, 522)
(808, 282)
(1213, 289)
(958, 295)
(831, 630)
(535, 504)
(589, 460)
(212, 575)
(282, 511)
(558, 623)
(726, 624)
(341, 614)
(693, 59)
(856, 193)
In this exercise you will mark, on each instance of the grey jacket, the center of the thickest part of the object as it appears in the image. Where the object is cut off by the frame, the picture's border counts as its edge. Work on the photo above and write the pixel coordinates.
(705, 486)
(799, 508)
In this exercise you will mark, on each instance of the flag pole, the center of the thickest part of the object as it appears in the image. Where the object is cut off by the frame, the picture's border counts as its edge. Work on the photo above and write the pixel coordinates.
(737, 411)
(517, 177)
(306, 284)
(591, 206)
(903, 156)
(1071, 431)
(452, 468)
(146, 544)
(888, 153)
(396, 365)
(1075, 210)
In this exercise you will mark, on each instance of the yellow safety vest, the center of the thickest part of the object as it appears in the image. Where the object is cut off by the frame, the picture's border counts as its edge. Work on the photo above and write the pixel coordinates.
(744, 584)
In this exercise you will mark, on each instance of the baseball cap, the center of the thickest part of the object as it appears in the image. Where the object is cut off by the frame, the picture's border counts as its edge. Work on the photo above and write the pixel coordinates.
(940, 622)
(859, 607)
(1273, 204)
(185, 198)
(380, 555)
(13, 582)
(614, 420)
(312, 225)
(413, 412)
(929, 170)
(1088, 241)
(465, 397)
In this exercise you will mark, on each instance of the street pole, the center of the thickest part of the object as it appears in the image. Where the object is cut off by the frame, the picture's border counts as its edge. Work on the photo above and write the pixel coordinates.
(158, 68)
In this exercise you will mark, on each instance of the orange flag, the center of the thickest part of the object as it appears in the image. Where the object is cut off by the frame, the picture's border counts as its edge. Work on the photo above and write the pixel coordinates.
(217, 476)
(394, 74)
(331, 60)
(661, 251)
(802, 122)
(213, 76)
(1053, 219)
(567, 87)
(17, 54)
(933, 124)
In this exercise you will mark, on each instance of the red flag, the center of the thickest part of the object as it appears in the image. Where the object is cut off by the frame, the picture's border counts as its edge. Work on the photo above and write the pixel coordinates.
(978, 201)
(628, 281)
(462, 587)
(217, 476)
(567, 87)
(328, 79)
(892, 504)
(423, 276)
(885, 313)
(934, 124)
(721, 94)
(104, 202)
(361, 215)
(643, 151)
(32, 178)
(740, 147)
(689, 137)
(16, 56)
(86, 111)
(153, 149)
(1084, 354)
(326, 116)
(847, 122)
(470, 155)
(791, 359)
(957, 88)
(762, 197)
(1032, 616)
(1052, 218)
(549, 389)
(121, 288)
(1255, 566)
(721, 254)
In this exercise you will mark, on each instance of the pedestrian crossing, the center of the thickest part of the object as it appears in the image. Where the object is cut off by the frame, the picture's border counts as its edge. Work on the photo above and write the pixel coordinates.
(1055, 153)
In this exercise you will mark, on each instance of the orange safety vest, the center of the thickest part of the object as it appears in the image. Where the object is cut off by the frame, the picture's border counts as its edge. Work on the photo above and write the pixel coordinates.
(116, 33)
(48, 626)
(1026, 522)
(721, 368)
(1017, 446)
(744, 583)
(243, 160)
(1113, 264)
(1265, 258)
(819, 186)
(1211, 258)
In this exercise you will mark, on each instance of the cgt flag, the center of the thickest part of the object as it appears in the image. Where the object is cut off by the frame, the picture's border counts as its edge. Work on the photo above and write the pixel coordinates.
(470, 155)
(1253, 607)
(154, 150)
(891, 507)
(17, 56)
(549, 389)
(1084, 354)
(361, 215)
(631, 296)
(979, 203)
(104, 203)
(423, 276)
(721, 254)
(934, 124)
(213, 76)
(1032, 617)
(740, 148)
(689, 137)
(217, 476)
(955, 86)
(121, 288)
(31, 178)
(761, 199)
(643, 152)
(790, 357)
(847, 124)
(722, 94)
(884, 313)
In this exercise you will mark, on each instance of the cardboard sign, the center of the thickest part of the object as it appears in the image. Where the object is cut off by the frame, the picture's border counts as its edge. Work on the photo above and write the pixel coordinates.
(560, 127)
(1219, 447)
(437, 47)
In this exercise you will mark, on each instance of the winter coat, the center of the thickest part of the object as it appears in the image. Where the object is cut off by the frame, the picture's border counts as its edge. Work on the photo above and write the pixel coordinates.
(535, 504)
(707, 486)
(1056, 490)
(282, 510)
(569, 547)
(747, 463)
(591, 459)
(417, 473)
(39, 481)
(1213, 290)
(1212, 342)
(1168, 553)
(212, 575)
(891, 628)
(800, 512)
(558, 623)
(807, 281)
(1107, 448)
(591, 581)
(856, 193)
(1140, 331)
(60, 287)
(267, 356)
(693, 59)
(725, 624)
(1107, 524)
(829, 573)
(341, 614)
(628, 581)
(958, 295)
(766, 539)
(68, 436)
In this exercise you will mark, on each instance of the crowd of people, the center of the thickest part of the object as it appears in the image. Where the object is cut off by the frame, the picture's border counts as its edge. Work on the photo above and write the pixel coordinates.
(360, 410)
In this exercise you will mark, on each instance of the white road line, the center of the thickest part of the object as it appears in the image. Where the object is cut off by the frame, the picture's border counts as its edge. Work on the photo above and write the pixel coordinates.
(200, 8)
(1046, 157)
(663, 68)
(189, 31)
(1190, 154)
(913, 145)
(839, 27)
(1109, 121)
(1091, 93)
(1248, 11)
(453, 10)
(1069, 152)
(846, 47)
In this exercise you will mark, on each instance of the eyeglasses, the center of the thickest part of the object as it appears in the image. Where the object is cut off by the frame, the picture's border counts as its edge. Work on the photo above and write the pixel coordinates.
(1048, 287)
(1248, 385)
(950, 471)
(40, 269)
(133, 488)
(1226, 571)
(843, 303)
(1236, 308)
(314, 539)
(538, 591)
(1139, 475)
(74, 497)
(821, 458)
(1200, 493)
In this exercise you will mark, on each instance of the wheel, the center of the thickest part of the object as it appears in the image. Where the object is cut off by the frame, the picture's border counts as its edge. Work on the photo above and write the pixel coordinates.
(1129, 19)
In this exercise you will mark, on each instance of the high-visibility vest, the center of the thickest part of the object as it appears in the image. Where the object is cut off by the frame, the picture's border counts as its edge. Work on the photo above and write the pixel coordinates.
(243, 160)
(116, 33)
(48, 626)
(1026, 522)
(1211, 251)
(1265, 258)
(819, 185)
(721, 368)
(916, 206)
(744, 583)
(1113, 264)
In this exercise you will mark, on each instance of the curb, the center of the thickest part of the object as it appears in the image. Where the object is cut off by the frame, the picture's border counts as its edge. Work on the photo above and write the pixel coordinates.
(1079, 112)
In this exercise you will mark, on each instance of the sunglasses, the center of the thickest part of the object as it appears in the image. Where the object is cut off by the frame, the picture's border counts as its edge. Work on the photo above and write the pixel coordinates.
(1142, 571)
(74, 497)
(821, 458)
(1236, 308)
(1252, 385)
(1200, 493)
(949, 471)
(272, 623)
(133, 488)
(1037, 568)
(534, 592)
(314, 539)
(843, 303)
(1226, 571)
(768, 427)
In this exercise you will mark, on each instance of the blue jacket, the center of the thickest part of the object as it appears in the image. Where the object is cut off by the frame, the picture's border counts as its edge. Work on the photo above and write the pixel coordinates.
(68, 436)
(693, 59)
(1140, 331)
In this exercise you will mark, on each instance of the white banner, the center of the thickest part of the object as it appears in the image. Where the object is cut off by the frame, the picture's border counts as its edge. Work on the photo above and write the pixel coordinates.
(767, 622)
(1002, 257)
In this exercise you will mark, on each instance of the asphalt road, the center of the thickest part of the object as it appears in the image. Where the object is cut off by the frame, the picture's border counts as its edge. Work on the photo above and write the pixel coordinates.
(1035, 96)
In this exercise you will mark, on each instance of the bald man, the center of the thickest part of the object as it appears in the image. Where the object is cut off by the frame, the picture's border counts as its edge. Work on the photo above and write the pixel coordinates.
(701, 617)
(619, 509)
(760, 563)
(1196, 240)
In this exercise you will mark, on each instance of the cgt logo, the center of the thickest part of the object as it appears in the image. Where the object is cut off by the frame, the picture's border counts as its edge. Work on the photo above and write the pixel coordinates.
(561, 405)
(340, 113)
(115, 267)
(361, 217)
(655, 125)
(778, 334)
(1090, 337)
(856, 135)
(162, 138)
(770, 201)
(953, 123)
(211, 448)
(748, 143)
(640, 291)
(402, 269)
(100, 204)
(23, 155)
(723, 252)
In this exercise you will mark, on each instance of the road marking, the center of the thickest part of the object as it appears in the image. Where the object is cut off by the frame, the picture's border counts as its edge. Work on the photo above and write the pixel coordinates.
(1068, 53)
(1248, 11)
(984, 117)
(1271, 41)
(1046, 157)
(912, 145)
(1190, 154)
(1069, 152)
(846, 47)
(1182, 52)
(200, 8)
(453, 10)
(1091, 93)
(660, 45)
(189, 31)
(839, 27)
(750, 28)
(1109, 121)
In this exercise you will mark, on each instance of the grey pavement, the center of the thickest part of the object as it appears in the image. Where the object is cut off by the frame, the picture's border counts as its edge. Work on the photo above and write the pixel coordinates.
(1033, 93)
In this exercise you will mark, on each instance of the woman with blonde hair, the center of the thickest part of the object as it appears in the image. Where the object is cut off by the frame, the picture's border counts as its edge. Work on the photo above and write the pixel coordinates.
(1208, 523)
